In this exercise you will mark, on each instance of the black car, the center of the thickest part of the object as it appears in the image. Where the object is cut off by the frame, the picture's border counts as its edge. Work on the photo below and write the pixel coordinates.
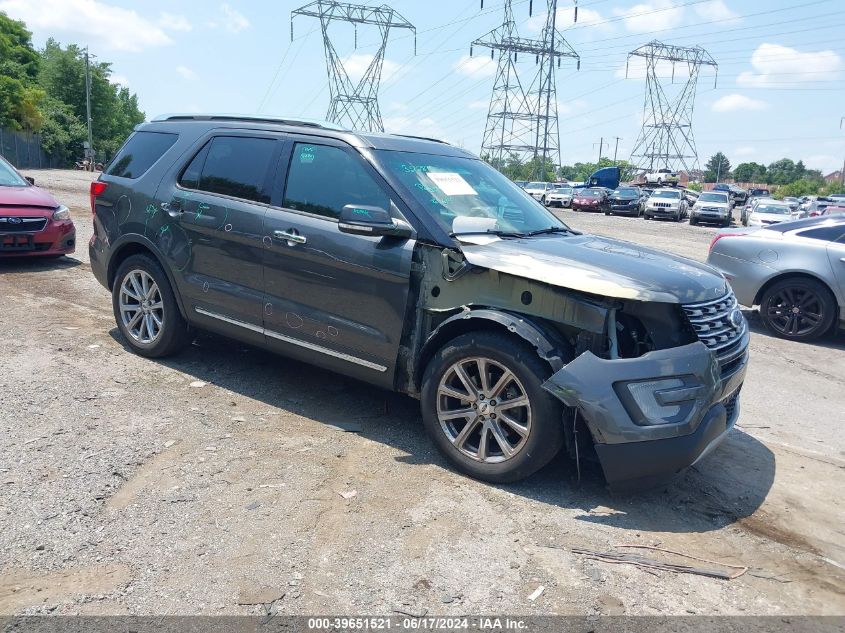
(415, 266)
(626, 201)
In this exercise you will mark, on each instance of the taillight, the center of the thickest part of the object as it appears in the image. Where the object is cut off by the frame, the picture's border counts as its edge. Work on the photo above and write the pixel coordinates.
(97, 189)
(721, 235)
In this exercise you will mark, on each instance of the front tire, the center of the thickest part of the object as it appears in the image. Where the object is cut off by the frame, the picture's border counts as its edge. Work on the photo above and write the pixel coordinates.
(145, 308)
(798, 309)
(693, 221)
(484, 407)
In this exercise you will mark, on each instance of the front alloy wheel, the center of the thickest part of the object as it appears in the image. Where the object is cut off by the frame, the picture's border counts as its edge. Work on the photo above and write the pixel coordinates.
(483, 410)
(141, 307)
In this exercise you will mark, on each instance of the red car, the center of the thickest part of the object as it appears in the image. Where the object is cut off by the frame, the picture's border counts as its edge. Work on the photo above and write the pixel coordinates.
(32, 223)
(591, 200)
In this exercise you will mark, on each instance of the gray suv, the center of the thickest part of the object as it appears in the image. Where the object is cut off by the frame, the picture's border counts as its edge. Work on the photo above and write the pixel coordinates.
(412, 265)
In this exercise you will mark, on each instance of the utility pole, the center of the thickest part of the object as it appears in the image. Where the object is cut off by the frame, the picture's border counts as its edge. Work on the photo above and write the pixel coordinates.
(616, 149)
(89, 151)
(601, 145)
(842, 173)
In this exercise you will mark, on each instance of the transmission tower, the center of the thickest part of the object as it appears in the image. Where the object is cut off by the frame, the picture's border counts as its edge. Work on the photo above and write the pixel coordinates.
(354, 105)
(522, 120)
(666, 139)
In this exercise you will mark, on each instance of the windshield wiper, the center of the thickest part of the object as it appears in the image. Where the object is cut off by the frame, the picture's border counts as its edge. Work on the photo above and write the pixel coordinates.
(495, 232)
(551, 229)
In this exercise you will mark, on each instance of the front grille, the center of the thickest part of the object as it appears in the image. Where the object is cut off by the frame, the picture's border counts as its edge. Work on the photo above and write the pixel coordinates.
(720, 325)
(13, 224)
(730, 404)
(713, 209)
(662, 204)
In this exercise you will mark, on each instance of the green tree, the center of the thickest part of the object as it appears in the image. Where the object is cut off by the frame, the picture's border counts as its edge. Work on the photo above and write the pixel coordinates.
(750, 172)
(717, 168)
(19, 63)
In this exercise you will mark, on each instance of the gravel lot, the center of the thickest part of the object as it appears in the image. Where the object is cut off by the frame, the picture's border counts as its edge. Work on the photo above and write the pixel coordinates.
(230, 481)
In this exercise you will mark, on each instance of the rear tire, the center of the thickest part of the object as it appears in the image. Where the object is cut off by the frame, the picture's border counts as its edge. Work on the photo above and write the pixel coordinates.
(145, 308)
(798, 309)
(478, 442)
(693, 221)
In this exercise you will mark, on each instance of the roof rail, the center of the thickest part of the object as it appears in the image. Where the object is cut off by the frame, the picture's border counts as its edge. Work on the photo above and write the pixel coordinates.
(251, 118)
(423, 138)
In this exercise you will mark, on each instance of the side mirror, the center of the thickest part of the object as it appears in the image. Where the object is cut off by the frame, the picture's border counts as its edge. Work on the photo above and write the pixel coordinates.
(359, 219)
(29, 179)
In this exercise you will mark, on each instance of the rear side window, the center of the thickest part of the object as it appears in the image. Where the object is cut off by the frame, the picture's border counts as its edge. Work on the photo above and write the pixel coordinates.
(233, 166)
(825, 233)
(139, 153)
(323, 179)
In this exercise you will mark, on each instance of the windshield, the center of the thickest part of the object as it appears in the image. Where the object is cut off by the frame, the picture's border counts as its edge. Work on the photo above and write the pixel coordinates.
(674, 195)
(535, 185)
(589, 193)
(779, 209)
(563, 190)
(9, 177)
(713, 197)
(626, 192)
(450, 187)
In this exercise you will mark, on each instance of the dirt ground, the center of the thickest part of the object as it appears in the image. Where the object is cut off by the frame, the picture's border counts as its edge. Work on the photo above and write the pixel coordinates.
(227, 480)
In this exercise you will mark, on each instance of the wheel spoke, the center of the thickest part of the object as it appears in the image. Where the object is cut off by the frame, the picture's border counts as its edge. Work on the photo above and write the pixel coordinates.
(134, 281)
(501, 384)
(130, 293)
(462, 437)
(483, 376)
(462, 375)
(157, 320)
(520, 401)
(457, 413)
(501, 440)
(482, 443)
(518, 427)
(157, 306)
(134, 320)
(445, 390)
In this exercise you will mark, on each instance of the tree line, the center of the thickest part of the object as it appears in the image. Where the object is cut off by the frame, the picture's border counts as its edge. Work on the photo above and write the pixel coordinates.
(788, 177)
(43, 91)
(517, 169)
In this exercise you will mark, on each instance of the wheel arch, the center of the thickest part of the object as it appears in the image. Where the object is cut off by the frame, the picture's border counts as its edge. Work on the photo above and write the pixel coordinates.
(549, 345)
(137, 245)
(784, 275)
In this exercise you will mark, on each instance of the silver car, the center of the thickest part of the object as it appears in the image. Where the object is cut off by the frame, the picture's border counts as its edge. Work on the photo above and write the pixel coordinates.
(765, 212)
(712, 206)
(539, 190)
(795, 272)
(560, 197)
(666, 203)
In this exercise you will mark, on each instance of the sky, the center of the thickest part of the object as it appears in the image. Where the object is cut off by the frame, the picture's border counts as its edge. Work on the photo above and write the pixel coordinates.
(780, 90)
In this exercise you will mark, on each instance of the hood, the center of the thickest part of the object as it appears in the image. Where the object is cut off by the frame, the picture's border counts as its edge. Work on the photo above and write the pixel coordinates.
(17, 197)
(771, 217)
(625, 197)
(601, 266)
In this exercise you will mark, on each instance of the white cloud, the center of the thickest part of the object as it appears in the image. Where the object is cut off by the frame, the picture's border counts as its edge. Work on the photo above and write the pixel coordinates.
(233, 21)
(477, 66)
(172, 22)
(102, 25)
(356, 65)
(738, 103)
(746, 150)
(417, 127)
(783, 66)
(118, 80)
(479, 104)
(186, 73)
(652, 16)
(716, 10)
(566, 16)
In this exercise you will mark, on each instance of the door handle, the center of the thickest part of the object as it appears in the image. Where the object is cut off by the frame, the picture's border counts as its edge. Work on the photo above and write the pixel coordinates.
(288, 236)
(173, 209)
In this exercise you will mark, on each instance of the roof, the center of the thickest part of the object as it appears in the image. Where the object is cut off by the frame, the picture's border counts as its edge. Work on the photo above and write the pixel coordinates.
(784, 227)
(371, 140)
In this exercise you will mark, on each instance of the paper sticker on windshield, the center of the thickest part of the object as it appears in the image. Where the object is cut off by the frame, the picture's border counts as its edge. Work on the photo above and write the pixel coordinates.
(452, 184)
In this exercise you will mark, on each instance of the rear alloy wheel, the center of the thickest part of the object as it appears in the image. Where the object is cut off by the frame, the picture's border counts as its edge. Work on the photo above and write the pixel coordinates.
(484, 406)
(799, 309)
(145, 308)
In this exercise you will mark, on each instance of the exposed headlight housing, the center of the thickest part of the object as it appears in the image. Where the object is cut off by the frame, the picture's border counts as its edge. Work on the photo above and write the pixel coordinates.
(61, 213)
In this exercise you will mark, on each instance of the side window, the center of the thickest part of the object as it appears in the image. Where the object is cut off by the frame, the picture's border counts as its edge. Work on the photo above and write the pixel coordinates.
(191, 176)
(323, 179)
(826, 233)
(236, 166)
(139, 153)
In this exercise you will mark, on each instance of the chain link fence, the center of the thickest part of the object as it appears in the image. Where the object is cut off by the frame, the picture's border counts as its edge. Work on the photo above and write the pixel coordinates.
(23, 150)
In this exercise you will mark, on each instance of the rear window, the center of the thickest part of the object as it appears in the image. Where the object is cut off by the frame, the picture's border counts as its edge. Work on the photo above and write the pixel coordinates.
(233, 166)
(139, 153)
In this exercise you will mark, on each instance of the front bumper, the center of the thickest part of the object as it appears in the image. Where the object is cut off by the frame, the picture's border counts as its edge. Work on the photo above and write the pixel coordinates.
(625, 207)
(57, 238)
(634, 454)
(669, 212)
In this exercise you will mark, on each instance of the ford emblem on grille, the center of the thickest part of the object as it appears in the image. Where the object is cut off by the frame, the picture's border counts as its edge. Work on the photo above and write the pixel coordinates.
(14, 220)
(736, 318)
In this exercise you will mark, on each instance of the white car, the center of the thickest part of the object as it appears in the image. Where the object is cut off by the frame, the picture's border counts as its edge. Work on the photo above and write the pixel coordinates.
(539, 190)
(662, 177)
(712, 206)
(766, 212)
(560, 197)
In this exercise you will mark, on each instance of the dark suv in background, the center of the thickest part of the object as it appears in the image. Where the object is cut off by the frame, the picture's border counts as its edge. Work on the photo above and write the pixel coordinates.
(414, 266)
